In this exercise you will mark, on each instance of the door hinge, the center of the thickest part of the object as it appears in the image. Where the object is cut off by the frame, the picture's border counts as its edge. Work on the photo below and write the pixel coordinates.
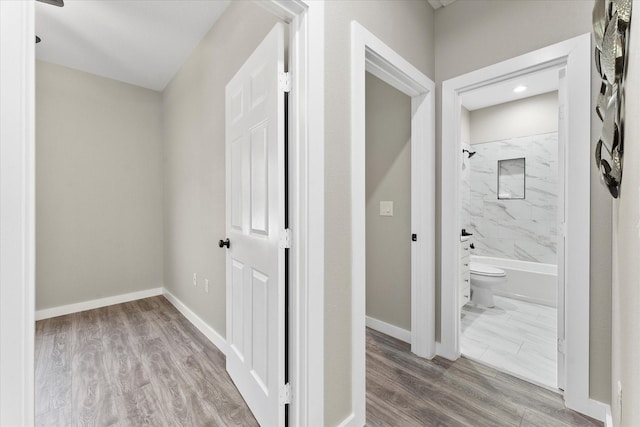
(560, 345)
(284, 82)
(285, 394)
(285, 239)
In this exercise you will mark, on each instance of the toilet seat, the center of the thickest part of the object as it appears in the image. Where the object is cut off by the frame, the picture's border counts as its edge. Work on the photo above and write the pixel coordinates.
(485, 270)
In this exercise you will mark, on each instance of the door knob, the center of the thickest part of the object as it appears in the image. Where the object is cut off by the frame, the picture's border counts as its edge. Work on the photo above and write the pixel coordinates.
(223, 243)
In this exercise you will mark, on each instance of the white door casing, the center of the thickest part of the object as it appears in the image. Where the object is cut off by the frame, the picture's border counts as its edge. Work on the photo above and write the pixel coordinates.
(17, 212)
(305, 19)
(561, 223)
(574, 55)
(370, 54)
(254, 141)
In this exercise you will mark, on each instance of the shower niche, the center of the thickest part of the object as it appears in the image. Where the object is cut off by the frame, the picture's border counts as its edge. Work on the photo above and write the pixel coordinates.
(511, 179)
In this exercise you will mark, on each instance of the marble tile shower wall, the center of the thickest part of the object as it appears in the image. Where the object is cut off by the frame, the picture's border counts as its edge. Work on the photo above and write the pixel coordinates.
(523, 229)
(465, 188)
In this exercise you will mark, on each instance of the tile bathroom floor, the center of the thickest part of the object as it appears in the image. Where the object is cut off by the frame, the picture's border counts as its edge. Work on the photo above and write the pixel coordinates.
(516, 337)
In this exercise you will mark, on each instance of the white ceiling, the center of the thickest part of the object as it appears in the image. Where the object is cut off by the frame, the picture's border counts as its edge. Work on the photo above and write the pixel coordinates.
(499, 93)
(139, 42)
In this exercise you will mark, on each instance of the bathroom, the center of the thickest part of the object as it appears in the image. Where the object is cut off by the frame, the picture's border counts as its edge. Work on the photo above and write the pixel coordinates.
(510, 192)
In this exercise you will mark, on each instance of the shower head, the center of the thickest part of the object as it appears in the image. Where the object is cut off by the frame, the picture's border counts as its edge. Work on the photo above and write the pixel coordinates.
(470, 154)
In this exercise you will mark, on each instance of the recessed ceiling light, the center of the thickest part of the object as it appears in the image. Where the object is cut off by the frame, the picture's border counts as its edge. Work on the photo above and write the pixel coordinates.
(519, 89)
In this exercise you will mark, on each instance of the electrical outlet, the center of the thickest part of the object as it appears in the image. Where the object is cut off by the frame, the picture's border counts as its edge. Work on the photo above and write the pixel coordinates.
(195, 279)
(206, 285)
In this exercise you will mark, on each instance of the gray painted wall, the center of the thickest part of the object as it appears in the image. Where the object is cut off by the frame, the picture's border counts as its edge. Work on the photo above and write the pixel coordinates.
(98, 187)
(194, 159)
(388, 178)
(473, 34)
(534, 115)
(407, 27)
(626, 268)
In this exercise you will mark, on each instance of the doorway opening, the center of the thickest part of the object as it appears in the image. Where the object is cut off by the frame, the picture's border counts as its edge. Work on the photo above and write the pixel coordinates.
(370, 54)
(511, 188)
(572, 58)
(388, 210)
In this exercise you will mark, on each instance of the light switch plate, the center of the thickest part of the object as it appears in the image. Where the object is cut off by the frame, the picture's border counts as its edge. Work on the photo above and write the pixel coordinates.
(386, 208)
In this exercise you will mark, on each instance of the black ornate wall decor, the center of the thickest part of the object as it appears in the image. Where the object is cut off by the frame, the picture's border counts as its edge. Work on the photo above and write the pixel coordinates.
(611, 21)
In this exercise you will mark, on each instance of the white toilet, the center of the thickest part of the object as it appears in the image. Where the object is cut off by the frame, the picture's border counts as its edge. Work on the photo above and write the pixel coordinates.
(484, 278)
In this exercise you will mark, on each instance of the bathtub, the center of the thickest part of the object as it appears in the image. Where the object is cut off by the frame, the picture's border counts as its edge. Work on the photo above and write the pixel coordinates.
(528, 281)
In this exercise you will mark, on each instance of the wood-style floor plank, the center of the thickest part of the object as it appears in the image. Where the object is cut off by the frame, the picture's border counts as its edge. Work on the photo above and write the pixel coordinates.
(132, 364)
(142, 363)
(405, 390)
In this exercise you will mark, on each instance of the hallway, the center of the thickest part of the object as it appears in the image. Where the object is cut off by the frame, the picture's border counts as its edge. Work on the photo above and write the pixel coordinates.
(143, 363)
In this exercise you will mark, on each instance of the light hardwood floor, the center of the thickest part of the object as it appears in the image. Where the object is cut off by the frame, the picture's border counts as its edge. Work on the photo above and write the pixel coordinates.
(405, 390)
(133, 364)
(143, 363)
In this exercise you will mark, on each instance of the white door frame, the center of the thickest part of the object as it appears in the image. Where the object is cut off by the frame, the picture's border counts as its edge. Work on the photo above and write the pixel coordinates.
(561, 245)
(306, 198)
(17, 215)
(368, 53)
(575, 55)
(306, 20)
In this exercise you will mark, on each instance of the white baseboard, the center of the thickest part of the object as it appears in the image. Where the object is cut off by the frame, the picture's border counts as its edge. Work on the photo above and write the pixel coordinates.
(96, 303)
(608, 419)
(200, 324)
(597, 410)
(389, 329)
(445, 351)
(348, 422)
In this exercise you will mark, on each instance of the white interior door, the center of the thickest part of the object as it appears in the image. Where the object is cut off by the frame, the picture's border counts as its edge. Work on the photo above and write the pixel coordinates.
(255, 211)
